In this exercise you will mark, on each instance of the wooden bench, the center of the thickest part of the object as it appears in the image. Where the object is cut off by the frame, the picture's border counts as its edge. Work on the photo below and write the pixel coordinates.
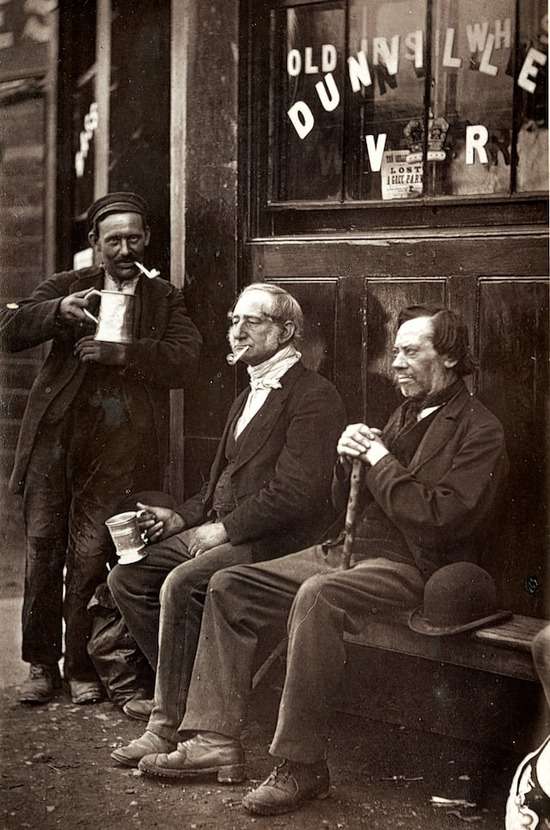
(472, 685)
(503, 649)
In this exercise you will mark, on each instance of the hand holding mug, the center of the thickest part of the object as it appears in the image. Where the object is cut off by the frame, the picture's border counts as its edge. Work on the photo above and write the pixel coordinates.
(157, 523)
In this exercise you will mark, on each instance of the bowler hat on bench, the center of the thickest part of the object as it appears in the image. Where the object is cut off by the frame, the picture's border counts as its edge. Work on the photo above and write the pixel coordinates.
(457, 597)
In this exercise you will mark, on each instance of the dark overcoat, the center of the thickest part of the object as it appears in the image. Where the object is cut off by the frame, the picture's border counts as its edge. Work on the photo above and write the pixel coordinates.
(283, 468)
(445, 501)
(164, 353)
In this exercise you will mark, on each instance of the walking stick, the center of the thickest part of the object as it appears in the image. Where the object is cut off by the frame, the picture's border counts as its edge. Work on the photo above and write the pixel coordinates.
(351, 512)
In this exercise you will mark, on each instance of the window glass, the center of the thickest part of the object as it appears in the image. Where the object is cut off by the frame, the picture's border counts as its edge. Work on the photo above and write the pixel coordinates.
(532, 139)
(309, 68)
(383, 100)
(472, 89)
(387, 36)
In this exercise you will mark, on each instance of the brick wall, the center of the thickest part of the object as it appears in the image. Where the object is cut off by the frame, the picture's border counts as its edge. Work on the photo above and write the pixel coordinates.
(22, 244)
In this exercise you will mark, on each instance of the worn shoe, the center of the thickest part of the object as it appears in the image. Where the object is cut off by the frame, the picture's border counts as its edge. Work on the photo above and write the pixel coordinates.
(85, 691)
(131, 755)
(288, 786)
(200, 755)
(138, 708)
(41, 683)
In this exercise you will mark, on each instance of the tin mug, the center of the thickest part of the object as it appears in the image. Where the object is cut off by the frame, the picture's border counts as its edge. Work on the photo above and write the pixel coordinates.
(115, 318)
(128, 540)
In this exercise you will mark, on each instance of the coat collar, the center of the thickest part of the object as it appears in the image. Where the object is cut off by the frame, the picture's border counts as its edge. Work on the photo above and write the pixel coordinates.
(265, 419)
(441, 429)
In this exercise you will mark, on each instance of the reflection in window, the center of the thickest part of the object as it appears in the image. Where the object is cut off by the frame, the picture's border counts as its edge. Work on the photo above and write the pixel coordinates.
(532, 140)
(472, 70)
(403, 99)
(313, 41)
(386, 33)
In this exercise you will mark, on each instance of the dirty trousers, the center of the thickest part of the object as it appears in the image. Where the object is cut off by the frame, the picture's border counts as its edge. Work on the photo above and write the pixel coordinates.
(247, 605)
(76, 478)
(161, 599)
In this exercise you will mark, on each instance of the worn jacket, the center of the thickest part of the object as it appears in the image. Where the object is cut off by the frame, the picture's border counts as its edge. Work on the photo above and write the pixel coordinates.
(163, 355)
(444, 500)
(283, 468)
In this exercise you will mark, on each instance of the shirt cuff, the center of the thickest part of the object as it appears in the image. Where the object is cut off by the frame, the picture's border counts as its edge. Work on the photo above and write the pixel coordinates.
(376, 453)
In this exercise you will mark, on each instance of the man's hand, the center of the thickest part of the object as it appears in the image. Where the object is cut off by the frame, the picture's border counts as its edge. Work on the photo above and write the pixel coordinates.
(361, 441)
(157, 523)
(71, 308)
(89, 350)
(207, 536)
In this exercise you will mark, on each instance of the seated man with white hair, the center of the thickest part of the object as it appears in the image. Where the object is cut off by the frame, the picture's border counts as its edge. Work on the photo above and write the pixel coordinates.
(268, 494)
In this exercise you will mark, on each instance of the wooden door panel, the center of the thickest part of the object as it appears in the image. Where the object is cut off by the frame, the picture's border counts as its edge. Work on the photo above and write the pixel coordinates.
(349, 375)
(513, 383)
(318, 301)
(507, 316)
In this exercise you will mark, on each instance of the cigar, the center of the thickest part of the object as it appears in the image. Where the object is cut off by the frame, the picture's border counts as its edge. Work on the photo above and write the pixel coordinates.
(151, 274)
(232, 357)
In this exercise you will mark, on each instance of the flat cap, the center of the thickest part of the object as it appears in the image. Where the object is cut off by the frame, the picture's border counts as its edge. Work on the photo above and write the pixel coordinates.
(120, 202)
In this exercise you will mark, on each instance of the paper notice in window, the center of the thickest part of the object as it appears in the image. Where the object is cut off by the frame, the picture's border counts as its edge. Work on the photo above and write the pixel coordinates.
(400, 179)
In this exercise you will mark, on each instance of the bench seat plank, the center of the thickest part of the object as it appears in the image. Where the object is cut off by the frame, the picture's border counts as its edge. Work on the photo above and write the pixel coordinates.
(517, 632)
(502, 649)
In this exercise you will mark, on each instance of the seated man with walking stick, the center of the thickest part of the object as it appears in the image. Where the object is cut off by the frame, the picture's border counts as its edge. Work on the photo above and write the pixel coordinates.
(430, 484)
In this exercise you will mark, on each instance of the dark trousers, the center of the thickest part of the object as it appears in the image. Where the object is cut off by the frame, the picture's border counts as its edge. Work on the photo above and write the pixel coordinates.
(161, 599)
(304, 596)
(79, 471)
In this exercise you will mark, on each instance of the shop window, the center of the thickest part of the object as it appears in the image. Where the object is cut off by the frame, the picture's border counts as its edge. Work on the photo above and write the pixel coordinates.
(383, 100)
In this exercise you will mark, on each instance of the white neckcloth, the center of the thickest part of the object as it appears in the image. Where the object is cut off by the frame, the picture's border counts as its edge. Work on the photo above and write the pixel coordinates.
(263, 378)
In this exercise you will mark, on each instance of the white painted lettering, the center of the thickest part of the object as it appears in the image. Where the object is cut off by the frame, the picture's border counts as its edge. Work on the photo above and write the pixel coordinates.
(6, 40)
(448, 59)
(530, 70)
(302, 118)
(477, 137)
(41, 7)
(328, 57)
(329, 97)
(484, 65)
(359, 73)
(375, 151)
(84, 144)
(309, 67)
(381, 53)
(79, 165)
(36, 30)
(294, 63)
(503, 33)
(477, 35)
(414, 42)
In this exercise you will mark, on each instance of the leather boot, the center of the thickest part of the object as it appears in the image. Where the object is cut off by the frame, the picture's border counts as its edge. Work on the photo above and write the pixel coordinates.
(131, 754)
(41, 683)
(288, 786)
(201, 755)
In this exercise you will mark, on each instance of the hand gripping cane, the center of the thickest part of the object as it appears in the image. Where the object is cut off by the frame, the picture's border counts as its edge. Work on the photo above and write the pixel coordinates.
(351, 512)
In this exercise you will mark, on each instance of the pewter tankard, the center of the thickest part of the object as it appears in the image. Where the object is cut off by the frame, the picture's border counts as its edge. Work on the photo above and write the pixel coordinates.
(116, 315)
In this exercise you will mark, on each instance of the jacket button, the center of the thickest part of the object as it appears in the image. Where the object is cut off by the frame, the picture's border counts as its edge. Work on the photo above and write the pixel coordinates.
(48, 389)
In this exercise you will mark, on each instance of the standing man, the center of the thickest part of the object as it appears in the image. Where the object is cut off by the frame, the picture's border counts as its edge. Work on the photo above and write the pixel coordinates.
(431, 479)
(95, 427)
(268, 494)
